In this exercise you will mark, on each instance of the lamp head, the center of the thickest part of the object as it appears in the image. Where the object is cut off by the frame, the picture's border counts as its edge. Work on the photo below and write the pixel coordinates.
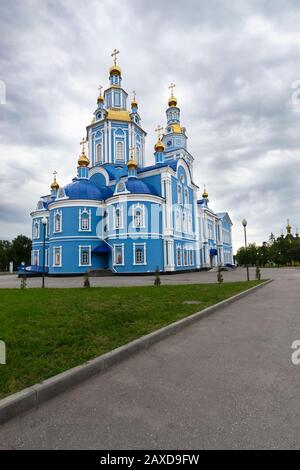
(244, 222)
(44, 221)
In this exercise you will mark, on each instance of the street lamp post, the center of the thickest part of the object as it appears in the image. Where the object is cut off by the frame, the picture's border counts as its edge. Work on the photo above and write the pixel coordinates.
(44, 222)
(244, 223)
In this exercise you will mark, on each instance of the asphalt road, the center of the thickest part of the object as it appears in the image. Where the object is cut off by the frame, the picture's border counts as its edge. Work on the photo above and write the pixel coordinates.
(226, 382)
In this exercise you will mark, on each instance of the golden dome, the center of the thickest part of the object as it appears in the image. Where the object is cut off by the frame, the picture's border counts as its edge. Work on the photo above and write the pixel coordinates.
(54, 185)
(115, 70)
(83, 159)
(134, 103)
(159, 146)
(100, 98)
(205, 193)
(132, 164)
(172, 101)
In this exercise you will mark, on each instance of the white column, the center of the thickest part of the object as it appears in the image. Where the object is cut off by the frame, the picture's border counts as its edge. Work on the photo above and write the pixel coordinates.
(105, 152)
(197, 234)
(109, 142)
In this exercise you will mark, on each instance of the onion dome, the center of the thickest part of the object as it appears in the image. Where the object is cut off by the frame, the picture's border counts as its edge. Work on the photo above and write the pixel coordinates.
(54, 185)
(115, 70)
(132, 164)
(205, 193)
(288, 227)
(85, 189)
(83, 159)
(100, 99)
(159, 146)
(172, 101)
(134, 103)
(136, 186)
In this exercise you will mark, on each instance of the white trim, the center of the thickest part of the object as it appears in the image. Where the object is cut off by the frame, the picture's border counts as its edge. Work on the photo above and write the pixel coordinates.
(60, 256)
(118, 245)
(76, 203)
(89, 249)
(57, 213)
(135, 246)
(141, 208)
(121, 218)
(36, 222)
(81, 212)
(134, 197)
(33, 253)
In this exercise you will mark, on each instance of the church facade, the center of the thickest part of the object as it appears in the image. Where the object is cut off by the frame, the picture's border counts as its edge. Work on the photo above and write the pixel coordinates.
(122, 215)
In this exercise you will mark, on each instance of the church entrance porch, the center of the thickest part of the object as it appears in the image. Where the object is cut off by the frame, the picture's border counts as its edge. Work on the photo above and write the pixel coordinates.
(100, 257)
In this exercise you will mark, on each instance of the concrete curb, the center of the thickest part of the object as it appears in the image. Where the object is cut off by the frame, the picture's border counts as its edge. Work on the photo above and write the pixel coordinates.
(31, 397)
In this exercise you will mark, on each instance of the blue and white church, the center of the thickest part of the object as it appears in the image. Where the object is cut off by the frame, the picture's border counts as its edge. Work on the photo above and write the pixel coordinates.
(122, 215)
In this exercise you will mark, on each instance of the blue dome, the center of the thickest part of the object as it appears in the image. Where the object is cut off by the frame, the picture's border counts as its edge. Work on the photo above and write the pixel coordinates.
(84, 189)
(136, 186)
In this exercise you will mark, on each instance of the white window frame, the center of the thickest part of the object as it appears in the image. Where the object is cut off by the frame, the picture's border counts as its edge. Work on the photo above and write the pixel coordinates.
(185, 256)
(57, 213)
(85, 212)
(141, 208)
(179, 194)
(120, 245)
(191, 257)
(47, 257)
(33, 254)
(98, 154)
(135, 247)
(82, 248)
(118, 143)
(120, 224)
(178, 255)
(36, 223)
(59, 248)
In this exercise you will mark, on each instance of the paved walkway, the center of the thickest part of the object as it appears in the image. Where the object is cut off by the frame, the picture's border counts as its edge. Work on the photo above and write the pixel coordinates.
(12, 281)
(225, 382)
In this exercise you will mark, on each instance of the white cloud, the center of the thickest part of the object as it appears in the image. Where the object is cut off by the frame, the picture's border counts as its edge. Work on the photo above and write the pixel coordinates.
(233, 63)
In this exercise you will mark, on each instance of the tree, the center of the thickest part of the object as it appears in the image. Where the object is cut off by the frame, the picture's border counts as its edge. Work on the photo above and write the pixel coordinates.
(20, 250)
(5, 248)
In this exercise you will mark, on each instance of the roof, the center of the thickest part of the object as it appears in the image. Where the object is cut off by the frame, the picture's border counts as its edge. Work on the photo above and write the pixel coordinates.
(84, 189)
(136, 186)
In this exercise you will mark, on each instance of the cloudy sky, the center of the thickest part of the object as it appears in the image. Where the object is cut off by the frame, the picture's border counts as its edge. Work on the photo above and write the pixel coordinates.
(236, 65)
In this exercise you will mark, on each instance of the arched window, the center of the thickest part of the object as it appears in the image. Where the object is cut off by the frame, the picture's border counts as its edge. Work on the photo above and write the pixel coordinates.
(120, 151)
(85, 221)
(179, 195)
(139, 258)
(138, 218)
(36, 230)
(98, 152)
(57, 223)
(137, 154)
(84, 257)
(178, 256)
(118, 218)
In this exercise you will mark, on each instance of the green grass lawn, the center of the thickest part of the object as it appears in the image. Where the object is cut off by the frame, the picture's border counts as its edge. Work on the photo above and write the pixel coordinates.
(51, 330)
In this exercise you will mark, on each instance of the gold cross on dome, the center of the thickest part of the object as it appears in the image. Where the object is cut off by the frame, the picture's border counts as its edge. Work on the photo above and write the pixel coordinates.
(134, 94)
(100, 88)
(114, 55)
(171, 87)
(131, 149)
(54, 174)
(83, 141)
(158, 130)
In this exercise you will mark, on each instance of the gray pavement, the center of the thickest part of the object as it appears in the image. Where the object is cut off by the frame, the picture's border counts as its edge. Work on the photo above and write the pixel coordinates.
(12, 281)
(225, 382)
